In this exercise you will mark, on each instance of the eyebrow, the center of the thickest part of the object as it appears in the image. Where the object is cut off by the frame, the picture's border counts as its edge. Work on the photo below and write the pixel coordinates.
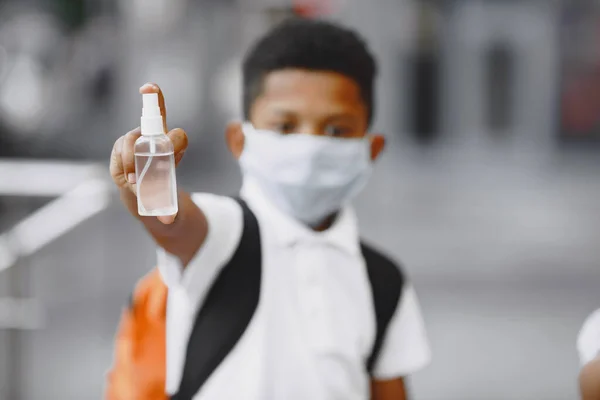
(284, 113)
(335, 116)
(344, 116)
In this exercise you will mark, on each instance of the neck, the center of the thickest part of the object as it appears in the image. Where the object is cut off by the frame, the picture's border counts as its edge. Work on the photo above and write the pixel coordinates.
(326, 224)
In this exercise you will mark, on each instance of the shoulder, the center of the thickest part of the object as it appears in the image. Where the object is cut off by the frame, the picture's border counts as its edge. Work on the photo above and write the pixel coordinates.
(225, 225)
(387, 282)
(225, 219)
(588, 340)
(404, 344)
(215, 203)
(382, 267)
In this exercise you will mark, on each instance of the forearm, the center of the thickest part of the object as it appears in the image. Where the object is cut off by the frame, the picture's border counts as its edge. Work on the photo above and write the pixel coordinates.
(589, 380)
(394, 389)
(184, 237)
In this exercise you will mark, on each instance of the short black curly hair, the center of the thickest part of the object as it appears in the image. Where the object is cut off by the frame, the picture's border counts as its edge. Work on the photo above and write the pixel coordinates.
(312, 45)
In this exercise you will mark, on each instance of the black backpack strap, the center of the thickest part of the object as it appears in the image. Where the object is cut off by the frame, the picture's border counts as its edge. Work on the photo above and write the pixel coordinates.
(227, 311)
(386, 280)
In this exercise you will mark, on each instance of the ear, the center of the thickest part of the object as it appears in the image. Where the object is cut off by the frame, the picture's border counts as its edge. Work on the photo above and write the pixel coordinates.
(234, 136)
(377, 145)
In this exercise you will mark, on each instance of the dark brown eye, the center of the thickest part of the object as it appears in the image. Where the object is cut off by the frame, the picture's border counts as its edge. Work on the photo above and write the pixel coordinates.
(333, 130)
(285, 127)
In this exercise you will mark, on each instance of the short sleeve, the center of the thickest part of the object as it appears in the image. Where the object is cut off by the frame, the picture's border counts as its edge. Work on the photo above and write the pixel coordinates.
(588, 341)
(405, 349)
(225, 224)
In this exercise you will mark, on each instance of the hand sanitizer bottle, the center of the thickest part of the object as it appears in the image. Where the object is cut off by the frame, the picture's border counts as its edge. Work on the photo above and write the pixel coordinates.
(154, 163)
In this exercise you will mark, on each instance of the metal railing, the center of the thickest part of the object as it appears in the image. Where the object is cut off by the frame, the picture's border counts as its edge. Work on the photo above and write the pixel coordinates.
(81, 190)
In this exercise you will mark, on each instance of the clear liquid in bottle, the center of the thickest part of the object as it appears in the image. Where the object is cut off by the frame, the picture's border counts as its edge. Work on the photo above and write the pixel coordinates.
(155, 176)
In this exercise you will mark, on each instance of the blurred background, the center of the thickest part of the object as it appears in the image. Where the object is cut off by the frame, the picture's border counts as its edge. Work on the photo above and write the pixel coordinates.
(488, 191)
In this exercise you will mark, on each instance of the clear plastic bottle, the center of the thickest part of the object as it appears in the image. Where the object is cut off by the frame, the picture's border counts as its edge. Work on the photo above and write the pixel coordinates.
(154, 163)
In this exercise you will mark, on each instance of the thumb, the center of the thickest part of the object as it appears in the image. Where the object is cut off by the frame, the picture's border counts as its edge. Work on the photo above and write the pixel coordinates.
(167, 219)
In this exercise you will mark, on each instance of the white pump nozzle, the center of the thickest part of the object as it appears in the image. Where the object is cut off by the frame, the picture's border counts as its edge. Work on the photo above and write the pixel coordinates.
(150, 105)
(152, 121)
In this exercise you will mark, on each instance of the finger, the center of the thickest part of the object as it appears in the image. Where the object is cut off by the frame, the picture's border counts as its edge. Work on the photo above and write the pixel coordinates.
(116, 164)
(154, 88)
(128, 156)
(179, 157)
(167, 219)
(179, 139)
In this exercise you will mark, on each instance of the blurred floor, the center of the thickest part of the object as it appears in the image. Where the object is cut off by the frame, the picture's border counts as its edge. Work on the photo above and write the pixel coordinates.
(503, 250)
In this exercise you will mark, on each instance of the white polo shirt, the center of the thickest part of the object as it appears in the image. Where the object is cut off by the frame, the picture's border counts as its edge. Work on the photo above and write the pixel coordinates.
(314, 325)
(588, 341)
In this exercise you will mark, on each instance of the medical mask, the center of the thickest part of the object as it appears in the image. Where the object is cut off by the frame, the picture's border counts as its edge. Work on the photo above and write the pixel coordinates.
(307, 177)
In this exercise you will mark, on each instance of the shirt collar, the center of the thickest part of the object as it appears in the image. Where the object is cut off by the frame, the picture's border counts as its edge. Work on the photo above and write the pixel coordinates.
(343, 234)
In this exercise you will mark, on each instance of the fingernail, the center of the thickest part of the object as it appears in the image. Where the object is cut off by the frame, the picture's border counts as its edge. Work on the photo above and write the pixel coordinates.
(131, 178)
(148, 86)
(119, 147)
(167, 219)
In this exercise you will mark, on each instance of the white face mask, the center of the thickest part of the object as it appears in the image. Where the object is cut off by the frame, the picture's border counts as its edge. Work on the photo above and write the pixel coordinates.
(307, 177)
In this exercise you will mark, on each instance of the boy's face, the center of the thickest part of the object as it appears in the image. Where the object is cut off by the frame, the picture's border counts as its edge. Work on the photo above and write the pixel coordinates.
(308, 102)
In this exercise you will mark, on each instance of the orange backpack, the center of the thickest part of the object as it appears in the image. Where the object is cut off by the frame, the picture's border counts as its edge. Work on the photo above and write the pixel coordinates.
(139, 367)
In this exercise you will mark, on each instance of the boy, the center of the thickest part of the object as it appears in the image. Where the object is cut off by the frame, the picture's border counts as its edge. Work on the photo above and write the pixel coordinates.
(274, 296)
(588, 346)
